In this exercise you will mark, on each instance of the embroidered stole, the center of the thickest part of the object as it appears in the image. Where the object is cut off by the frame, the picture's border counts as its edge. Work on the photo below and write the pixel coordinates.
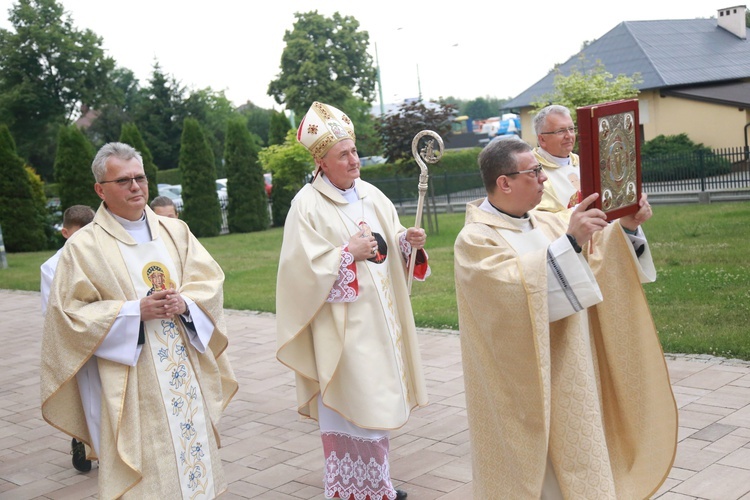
(151, 269)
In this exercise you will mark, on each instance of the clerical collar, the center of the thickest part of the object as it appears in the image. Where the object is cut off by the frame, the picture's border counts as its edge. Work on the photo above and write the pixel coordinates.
(560, 162)
(351, 195)
(524, 216)
(138, 229)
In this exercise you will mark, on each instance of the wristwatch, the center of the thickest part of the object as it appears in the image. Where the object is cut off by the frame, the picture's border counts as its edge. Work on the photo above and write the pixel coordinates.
(574, 243)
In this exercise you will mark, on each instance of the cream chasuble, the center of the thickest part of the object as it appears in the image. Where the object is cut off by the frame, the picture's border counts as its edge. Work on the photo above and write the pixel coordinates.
(339, 349)
(143, 451)
(588, 394)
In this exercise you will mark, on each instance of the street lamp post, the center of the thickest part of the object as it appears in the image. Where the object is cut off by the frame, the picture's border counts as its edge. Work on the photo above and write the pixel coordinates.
(380, 82)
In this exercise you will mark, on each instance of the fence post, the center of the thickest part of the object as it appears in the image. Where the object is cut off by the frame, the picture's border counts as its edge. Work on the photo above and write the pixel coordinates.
(702, 169)
(447, 189)
(3, 260)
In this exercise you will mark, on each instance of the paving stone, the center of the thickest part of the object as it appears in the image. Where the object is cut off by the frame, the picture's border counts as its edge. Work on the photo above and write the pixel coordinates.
(270, 453)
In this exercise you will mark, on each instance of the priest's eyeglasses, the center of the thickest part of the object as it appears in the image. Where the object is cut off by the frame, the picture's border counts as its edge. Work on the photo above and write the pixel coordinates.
(125, 182)
(561, 132)
(535, 170)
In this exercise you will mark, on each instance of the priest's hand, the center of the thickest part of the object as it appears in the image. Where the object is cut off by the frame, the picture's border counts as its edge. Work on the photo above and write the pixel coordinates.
(644, 213)
(585, 222)
(416, 237)
(363, 245)
(162, 305)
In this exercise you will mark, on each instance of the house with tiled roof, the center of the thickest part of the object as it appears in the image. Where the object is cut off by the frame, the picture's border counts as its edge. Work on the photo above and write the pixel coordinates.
(696, 76)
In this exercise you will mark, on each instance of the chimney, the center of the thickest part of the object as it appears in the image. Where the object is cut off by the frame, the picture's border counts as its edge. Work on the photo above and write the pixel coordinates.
(732, 19)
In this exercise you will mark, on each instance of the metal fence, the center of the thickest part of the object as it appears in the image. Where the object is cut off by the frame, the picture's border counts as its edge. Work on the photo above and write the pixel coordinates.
(683, 178)
(686, 174)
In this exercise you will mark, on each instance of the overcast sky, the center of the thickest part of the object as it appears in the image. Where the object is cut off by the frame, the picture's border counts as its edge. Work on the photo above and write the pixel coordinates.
(465, 50)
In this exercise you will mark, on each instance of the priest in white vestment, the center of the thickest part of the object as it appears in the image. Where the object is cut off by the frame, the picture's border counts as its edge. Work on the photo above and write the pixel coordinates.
(344, 319)
(134, 357)
(567, 390)
(556, 136)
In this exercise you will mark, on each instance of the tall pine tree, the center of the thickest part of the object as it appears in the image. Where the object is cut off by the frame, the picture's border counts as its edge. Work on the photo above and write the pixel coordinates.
(23, 228)
(73, 169)
(201, 203)
(248, 202)
(132, 136)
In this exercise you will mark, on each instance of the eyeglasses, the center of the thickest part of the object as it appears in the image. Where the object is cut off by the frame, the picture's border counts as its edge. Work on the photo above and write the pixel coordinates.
(561, 132)
(125, 182)
(535, 170)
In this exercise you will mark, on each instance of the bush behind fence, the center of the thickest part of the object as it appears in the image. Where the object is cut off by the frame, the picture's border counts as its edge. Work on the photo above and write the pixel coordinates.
(694, 171)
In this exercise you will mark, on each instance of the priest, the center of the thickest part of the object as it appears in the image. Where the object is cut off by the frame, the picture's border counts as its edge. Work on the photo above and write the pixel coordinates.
(567, 390)
(134, 360)
(343, 315)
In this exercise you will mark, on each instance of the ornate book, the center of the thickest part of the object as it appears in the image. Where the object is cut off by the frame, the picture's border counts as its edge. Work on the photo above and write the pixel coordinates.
(610, 153)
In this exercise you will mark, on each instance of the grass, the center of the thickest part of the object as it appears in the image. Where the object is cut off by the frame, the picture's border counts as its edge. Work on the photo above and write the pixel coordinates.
(700, 301)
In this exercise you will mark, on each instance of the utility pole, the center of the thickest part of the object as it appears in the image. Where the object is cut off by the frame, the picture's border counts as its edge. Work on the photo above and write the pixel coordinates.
(380, 82)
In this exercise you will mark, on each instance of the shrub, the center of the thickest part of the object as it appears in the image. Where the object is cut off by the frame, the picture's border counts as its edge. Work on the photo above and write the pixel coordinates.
(290, 164)
(172, 176)
(132, 136)
(445, 177)
(73, 169)
(248, 203)
(676, 157)
(20, 218)
(201, 210)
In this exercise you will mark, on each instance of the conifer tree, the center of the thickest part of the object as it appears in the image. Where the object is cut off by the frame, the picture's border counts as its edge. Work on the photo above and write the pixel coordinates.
(73, 169)
(277, 128)
(248, 202)
(53, 238)
(23, 229)
(132, 136)
(201, 203)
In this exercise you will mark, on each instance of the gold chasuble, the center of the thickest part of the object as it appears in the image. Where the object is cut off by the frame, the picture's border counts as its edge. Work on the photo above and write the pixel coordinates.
(159, 436)
(362, 357)
(588, 394)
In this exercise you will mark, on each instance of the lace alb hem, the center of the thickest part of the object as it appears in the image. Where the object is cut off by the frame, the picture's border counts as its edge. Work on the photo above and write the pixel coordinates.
(356, 467)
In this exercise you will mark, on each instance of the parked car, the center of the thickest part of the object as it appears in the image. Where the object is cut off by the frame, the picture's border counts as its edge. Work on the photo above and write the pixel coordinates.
(366, 161)
(173, 192)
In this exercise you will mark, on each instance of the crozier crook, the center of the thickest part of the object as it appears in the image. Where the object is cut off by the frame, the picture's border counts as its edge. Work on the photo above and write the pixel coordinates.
(428, 154)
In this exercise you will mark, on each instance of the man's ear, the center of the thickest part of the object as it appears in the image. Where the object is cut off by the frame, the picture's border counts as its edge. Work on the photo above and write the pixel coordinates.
(99, 190)
(66, 234)
(502, 184)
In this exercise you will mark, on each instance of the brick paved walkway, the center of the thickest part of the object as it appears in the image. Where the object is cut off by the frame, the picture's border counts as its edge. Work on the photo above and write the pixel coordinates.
(269, 454)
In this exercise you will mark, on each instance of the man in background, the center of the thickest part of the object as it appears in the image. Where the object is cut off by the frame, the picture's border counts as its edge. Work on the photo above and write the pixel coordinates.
(74, 218)
(556, 136)
(164, 206)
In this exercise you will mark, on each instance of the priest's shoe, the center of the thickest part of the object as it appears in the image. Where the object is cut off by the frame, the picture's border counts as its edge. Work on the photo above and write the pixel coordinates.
(400, 495)
(78, 450)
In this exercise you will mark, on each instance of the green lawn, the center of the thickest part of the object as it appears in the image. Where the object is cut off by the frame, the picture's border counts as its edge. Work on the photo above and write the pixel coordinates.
(700, 301)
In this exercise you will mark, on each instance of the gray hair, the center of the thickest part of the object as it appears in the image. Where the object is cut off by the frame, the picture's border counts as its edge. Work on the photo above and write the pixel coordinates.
(541, 117)
(500, 157)
(119, 150)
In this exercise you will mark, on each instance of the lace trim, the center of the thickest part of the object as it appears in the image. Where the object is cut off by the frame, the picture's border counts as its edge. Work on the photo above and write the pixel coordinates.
(421, 271)
(356, 467)
(345, 288)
